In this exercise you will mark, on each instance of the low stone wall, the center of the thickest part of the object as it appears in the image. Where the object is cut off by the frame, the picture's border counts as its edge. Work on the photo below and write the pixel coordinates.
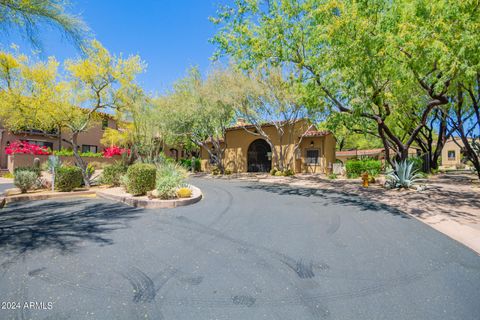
(26, 160)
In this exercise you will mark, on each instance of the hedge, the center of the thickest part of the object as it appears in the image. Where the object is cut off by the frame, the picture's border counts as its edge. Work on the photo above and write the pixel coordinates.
(68, 178)
(112, 173)
(141, 178)
(356, 167)
(69, 153)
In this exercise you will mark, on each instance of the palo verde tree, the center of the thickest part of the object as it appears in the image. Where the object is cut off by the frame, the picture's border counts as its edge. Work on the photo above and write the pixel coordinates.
(197, 110)
(381, 61)
(266, 98)
(29, 16)
(35, 96)
(141, 128)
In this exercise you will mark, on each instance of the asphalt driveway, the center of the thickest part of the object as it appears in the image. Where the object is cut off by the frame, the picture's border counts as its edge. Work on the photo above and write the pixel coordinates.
(246, 251)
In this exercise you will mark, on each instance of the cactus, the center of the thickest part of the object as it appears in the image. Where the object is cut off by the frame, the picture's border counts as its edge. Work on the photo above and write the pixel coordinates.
(403, 176)
(36, 163)
(53, 164)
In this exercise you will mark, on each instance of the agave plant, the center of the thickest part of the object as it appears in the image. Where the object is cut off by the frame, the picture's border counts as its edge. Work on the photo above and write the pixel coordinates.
(403, 176)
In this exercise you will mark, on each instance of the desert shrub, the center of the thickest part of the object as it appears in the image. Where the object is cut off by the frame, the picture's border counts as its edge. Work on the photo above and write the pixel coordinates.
(52, 164)
(36, 170)
(141, 178)
(91, 154)
(8, 175)
(69, 153)
(227, 172)
(188, 163)
(90, 170)
(417, 163)
(25, 180)
(112, 173)
(197, 164)
(215, 170)
(124, 181)
(184, 192)
(284, 173)
(63, 152)
(170, 177)
(98, 165)
(402, 176)
(332, 176)
(356, 167)
(68, 178)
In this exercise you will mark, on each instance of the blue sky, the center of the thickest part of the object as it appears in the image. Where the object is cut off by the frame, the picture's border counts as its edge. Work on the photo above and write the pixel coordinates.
(170, 35)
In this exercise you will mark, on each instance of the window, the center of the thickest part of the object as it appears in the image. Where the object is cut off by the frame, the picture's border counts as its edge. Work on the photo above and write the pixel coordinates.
(451, 155)
(312, 156)
(89, 148)
(104, 123)
(41, 143)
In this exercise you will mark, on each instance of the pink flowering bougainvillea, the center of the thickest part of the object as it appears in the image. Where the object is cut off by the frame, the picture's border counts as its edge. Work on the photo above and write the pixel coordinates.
(114, 151)
(27, 148)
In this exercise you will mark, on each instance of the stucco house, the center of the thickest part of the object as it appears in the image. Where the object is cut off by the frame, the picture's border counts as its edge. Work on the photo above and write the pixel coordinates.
(378, 153)
(308, 150)
(452, 153)
(88, 141)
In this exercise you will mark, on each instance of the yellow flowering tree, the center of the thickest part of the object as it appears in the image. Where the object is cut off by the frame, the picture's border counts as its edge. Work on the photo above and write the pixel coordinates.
(34, 95)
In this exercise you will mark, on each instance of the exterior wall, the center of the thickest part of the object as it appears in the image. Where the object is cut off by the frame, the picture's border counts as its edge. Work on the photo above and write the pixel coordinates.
(450, 145)
(324, 147)
(26, 160)
(7, 137)
(330, 148)
(379, 155)
(90, 137)
(238, 142)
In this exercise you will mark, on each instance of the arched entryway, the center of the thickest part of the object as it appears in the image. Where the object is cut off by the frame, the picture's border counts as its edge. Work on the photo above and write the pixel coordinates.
(258, 156)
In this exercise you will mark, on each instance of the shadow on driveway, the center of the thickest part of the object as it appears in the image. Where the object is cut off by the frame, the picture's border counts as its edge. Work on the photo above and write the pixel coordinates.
(329, 197)
(26, 227)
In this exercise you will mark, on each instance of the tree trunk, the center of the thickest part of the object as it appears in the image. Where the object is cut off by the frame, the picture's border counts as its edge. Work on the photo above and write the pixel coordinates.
(79, 161)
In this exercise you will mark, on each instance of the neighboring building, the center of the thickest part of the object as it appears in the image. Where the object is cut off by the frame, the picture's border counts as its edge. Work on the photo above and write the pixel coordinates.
(246, 152)
(88, 141)
(379, 154)
(452, 153)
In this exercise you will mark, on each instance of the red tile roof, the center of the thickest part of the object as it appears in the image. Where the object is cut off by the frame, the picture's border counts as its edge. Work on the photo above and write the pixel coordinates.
(369, 152)
(359, 152)
(316, 133)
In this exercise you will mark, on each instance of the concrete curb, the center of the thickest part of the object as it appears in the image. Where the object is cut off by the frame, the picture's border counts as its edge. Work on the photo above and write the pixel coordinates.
(2, 199)
(117, 194)
(46, 196)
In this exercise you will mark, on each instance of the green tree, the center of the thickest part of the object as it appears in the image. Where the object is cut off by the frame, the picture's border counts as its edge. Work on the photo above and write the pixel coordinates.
(34, 96)
(198, 111)
(143, 129)
(30, 15)
(382, 61)
(266, 96)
